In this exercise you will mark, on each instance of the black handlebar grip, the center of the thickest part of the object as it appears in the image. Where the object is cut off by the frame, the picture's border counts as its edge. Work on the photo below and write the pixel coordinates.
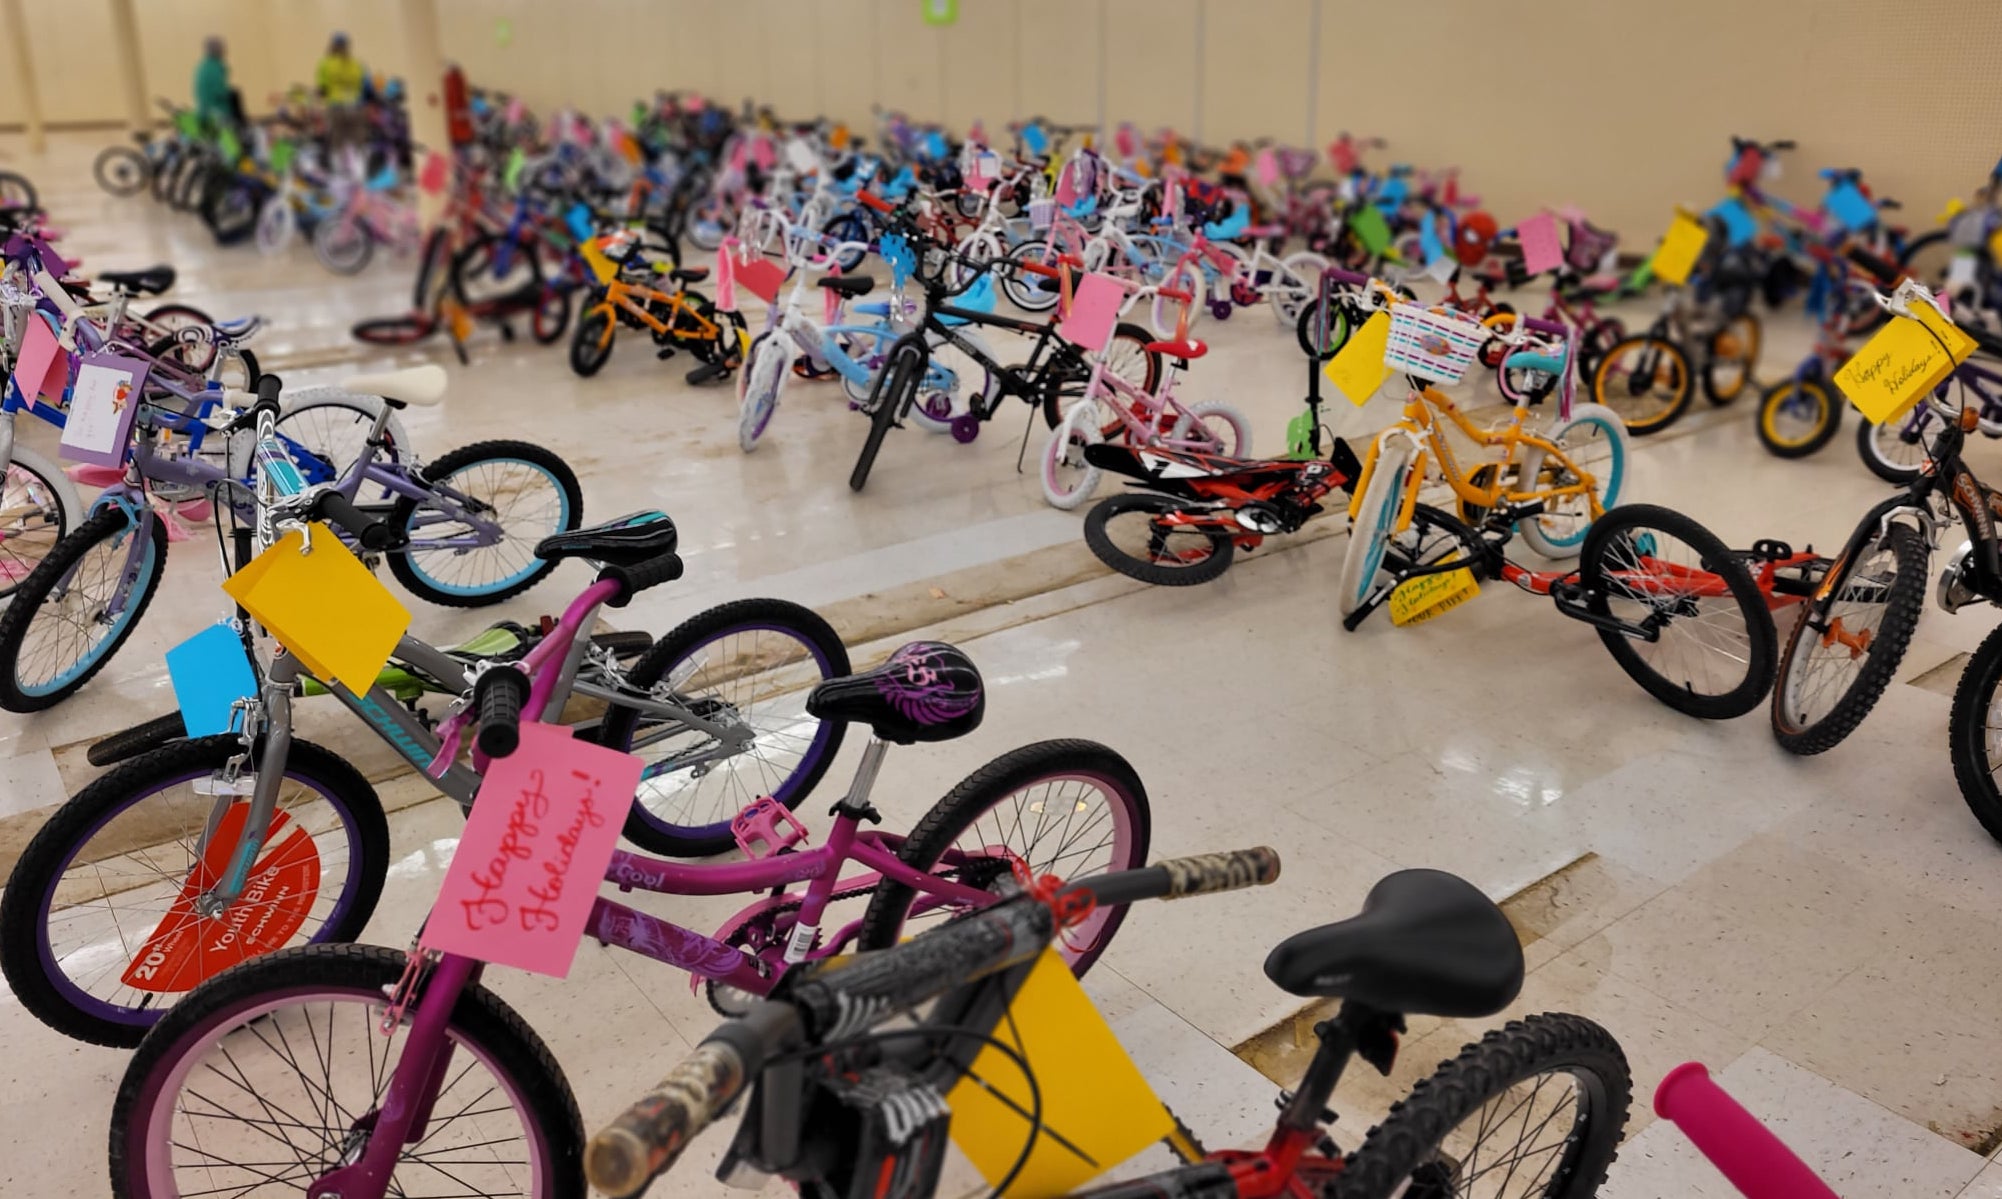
(638, 577)
(498, 696)
(340, 511)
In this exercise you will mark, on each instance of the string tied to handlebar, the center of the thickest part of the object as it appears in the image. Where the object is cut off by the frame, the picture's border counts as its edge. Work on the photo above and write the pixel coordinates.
(1069, 907)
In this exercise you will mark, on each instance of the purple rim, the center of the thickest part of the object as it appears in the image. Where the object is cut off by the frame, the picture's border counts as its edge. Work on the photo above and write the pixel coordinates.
(808, 763)
(112, 1013)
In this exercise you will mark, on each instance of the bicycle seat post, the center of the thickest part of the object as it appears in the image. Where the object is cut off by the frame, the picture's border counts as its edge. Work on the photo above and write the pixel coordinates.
(856, 804)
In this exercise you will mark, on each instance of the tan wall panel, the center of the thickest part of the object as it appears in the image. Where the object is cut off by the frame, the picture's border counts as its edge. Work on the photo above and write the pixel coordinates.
(1255, 62)
(1059, 58)
(171, 33)
(910, 74)
(1150, 63)
(982, 65)
(73, 40)
(846, 31)
(792, 55)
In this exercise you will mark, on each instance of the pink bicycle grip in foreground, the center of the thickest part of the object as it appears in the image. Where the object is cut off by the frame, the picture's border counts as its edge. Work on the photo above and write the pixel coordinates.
(1758, 1163)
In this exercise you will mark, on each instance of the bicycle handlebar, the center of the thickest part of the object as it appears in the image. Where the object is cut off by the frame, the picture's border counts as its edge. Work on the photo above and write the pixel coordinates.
(498, 697)
(1351, 278)
(372, 534)
(1758, 1163)
(646, 1140)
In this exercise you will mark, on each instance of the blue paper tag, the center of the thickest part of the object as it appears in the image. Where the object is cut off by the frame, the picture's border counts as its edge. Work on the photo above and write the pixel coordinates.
(1034, 140)
(935, 144)
(1850, 208)
(1428, 239)
(1392, 192)
(579, 220)
(210, 673)
(1739, 225)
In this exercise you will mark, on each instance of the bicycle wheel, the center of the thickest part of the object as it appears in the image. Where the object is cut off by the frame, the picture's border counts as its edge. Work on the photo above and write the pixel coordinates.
(17, 192)
(591, 342)
(343, 244)
(1033, 293)
(183, 334)
(1298, 281)
(1798, 417)
(1715, 654)
(1974, 733)
(275, 1074)
(230, 209)
(1541, 1102)
(1135, 534)
(121, 170)
(1896, 452)
(763, 381)
(496, 275)
(1732, 356)
(1596, 442)
(1593, 342)
(325, 434)
(551, 318)
(1373, 521)
(1322, 328)
(277, 224)
(1227, 430)
(751, 662)
(394, 330)
(1070, 808)
(74, 610)
(1646, 380)
(1166, 313)
(520, 493)
(1068, 480)
(896, 389)
(1927, 257)
(38, 507)
(1848, 642)
(434, 271)
(1126, 356)
(101, 927)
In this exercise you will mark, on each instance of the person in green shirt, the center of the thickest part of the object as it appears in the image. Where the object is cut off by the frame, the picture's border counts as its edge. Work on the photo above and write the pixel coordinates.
(213, 102)
(339, 74)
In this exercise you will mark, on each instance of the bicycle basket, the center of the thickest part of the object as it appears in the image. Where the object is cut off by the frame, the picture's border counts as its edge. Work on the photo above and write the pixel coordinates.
(1588, 247)
(1437, 346)
(1041, 213)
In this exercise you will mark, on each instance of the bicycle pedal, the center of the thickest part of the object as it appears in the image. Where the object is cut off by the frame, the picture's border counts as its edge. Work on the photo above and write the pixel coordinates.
(665, 353)
(766, 827)
(506, 332)
(708, 372)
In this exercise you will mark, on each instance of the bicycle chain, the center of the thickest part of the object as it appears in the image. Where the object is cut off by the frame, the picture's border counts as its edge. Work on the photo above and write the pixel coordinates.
(767, 923)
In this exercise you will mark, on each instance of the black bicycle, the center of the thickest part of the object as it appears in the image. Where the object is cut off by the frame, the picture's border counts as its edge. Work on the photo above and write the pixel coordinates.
(1055, 372)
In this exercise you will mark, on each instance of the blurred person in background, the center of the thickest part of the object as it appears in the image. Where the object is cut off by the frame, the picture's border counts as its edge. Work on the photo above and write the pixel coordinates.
(216, 102)
(338, 79)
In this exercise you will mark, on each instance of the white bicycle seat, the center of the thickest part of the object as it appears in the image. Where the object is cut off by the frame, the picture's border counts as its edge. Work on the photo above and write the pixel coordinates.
(422, 386)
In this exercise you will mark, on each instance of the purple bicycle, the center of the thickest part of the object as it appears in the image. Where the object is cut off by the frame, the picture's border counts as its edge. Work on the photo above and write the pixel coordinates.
(417, 1075)
(1896, 452)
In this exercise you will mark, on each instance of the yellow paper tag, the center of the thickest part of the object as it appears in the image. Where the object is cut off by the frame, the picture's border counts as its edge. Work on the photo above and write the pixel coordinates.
(1097, 1107)
(325, 607)
(1679, 249)
(601, 266)
(1954, 208)
(1357, 369)
(1902, 364)
(1419, 600)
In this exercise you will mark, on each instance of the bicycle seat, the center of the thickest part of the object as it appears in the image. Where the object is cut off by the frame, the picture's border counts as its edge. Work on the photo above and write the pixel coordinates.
(1187, 351)
(1535, 360)
(149, 282)
(847, 285)
(689, 274)
(627, 541)
(419, 385)
(1427, 943)
(927, 691)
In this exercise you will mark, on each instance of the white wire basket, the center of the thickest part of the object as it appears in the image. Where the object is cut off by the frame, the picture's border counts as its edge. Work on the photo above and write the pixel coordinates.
(1431, 345)
(1041, 213)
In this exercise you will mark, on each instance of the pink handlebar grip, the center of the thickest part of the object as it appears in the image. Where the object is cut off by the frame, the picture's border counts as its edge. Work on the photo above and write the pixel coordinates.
(1758, 1163)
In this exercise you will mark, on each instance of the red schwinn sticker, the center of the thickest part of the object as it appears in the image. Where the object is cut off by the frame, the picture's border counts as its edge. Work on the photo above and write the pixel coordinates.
(188, 949)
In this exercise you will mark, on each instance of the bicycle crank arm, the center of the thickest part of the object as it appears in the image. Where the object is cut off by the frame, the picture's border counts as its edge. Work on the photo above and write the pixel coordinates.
(1570, 599)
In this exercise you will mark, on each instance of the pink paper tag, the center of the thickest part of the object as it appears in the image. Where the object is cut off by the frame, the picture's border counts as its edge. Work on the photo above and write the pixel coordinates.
(1094, 311)
(1540, 249)
(436, 171)
(726, 276)
(515, 109)
(761, 277)
(43, 368)
(535, 849)
(1125, 141)
(1267, 167)
(1067, 186)
(763, 154)
(1343, 156)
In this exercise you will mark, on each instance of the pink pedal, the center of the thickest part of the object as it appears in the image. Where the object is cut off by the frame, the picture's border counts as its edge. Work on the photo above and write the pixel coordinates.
(758, 828)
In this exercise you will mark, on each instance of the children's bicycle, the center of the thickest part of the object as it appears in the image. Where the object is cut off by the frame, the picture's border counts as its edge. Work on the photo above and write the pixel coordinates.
(1540, 1103)
(678, 318)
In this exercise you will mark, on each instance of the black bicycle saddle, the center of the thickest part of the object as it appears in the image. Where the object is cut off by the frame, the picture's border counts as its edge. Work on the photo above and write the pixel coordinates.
(628, 541)
(927, 691)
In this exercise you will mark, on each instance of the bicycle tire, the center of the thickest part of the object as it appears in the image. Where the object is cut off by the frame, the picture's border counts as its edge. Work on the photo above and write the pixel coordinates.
(1747, 358)
(433, 272)
(1068, 373)
(1557, 545)
(1372, 522)
(1641, 422)
(1904, 600)
(760, 387)
(30, 487)
(34, 592)
(405, 330)
(1323, 328)
(1610, 538)
(680, 645)
(345, 261)
(1975, 756)
(985, 790)
(121, 170)
(28, 960)
(1826, 417)
(896, 388)
(1870, 446)
(1066, 447)
(139, 739)
(483, 1028)
(1410, 1136)
(592, 340)
(1149, 569)
(551, 318)
(569, 518)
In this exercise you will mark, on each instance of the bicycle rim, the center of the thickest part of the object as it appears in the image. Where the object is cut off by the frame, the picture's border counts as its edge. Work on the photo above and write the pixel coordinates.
(1704, 648)
(271, 1091)
(117, 903)
(756, 674)
(1825, 664)
(523, 498)
(70, 632)
(31, 522)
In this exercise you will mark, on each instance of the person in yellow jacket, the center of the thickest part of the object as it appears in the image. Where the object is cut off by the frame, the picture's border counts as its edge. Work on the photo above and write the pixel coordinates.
(338, 80)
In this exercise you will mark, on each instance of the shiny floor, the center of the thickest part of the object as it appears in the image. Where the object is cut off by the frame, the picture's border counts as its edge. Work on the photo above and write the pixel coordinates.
(1822, 932)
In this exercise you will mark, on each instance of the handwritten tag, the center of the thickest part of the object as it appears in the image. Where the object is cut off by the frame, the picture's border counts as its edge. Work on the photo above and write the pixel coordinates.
(1358, 369)
(1540, 249)
(1094, 311)
(1902, 364)
(1418, 600)
(1097, 1107)
(210, 672)
(1679, 249)
(537, 842)
(325, 607)
(103, 403)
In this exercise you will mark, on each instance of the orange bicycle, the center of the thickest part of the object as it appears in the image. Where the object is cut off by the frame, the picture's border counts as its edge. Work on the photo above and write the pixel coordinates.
(628, 295)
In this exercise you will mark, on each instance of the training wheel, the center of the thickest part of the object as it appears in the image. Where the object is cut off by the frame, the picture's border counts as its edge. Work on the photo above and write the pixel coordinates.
(965, 428)
(1221, 309)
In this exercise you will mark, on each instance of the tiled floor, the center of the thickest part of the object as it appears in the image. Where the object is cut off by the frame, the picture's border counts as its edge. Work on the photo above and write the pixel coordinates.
(1822, 932)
